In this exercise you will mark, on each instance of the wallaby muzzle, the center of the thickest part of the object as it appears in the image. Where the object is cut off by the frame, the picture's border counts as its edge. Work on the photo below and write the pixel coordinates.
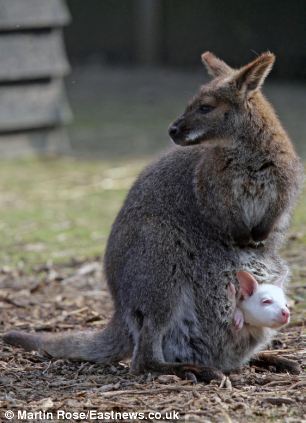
(177, 131)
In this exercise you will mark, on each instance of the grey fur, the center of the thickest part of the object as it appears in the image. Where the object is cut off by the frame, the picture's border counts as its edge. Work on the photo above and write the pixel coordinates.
(190, 221)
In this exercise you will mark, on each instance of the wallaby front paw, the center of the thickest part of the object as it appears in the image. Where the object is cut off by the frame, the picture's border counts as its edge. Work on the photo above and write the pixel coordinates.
(231, 291)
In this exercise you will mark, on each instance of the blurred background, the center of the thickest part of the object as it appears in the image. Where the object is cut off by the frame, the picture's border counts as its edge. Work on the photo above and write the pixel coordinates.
(135, 63)
(88, 90)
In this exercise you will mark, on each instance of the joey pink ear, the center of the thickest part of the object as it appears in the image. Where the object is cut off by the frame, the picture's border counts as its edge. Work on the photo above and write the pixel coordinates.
(251, 76)
(248, 284)
(215, 67)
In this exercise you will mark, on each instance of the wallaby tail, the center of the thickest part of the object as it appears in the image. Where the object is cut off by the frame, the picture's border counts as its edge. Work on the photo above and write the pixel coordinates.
(109, 345)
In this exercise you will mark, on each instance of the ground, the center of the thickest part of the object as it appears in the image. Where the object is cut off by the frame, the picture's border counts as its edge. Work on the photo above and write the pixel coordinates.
(55, 217)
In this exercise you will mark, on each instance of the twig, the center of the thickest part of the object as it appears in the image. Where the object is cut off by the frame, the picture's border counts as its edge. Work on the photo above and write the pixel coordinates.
(297, 385)
(278, 401)
(149, 391)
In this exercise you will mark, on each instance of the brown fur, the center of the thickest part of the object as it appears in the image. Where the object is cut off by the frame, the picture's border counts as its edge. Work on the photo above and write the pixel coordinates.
(244, 124)
(191, 220)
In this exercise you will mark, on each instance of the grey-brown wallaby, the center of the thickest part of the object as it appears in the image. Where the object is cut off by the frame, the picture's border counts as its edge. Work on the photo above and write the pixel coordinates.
(219, 203)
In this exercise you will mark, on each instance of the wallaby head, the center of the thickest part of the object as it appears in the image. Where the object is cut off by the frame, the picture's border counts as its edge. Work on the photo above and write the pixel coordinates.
(224, 105)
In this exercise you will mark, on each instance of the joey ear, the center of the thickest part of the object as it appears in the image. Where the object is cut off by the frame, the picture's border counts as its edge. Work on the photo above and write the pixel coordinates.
(251, 76)
(248, 284)
(215, 67)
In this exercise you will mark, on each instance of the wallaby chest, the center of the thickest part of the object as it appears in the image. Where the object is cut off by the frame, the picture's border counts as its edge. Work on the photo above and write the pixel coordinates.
(254, 193)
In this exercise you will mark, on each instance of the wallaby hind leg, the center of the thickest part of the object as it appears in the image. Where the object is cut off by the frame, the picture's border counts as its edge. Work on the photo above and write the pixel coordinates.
(148, 357)
(280, 364)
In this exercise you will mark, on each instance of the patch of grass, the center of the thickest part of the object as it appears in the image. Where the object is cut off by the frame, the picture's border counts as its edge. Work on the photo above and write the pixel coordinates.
(59, 209)
(299, 217)
(296, 246)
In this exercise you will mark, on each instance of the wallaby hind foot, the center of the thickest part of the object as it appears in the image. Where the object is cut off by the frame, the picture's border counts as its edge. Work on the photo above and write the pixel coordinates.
(194, 372)
(148, 357)
(280, 364)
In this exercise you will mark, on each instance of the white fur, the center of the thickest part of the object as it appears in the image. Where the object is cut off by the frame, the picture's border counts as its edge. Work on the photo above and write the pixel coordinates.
(194, 135)
(254, 206)
(264, 315)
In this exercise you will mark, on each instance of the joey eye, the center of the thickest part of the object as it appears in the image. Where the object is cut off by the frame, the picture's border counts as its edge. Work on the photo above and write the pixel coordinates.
(266, 301)
(205, 108)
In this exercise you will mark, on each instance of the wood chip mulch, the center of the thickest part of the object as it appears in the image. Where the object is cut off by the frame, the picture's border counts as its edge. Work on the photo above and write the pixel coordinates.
(74, 296)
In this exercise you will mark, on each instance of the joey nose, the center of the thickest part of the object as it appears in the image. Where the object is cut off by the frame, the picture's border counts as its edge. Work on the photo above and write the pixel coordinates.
(285, 315)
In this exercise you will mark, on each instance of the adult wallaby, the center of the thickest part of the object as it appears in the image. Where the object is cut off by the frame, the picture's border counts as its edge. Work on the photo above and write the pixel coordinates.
(192, 219)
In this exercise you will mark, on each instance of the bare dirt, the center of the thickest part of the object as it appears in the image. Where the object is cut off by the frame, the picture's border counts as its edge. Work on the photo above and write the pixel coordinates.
(74, 296)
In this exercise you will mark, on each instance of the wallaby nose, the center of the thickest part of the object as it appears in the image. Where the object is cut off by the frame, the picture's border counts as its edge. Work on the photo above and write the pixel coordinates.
(285, 315)
(173, 131)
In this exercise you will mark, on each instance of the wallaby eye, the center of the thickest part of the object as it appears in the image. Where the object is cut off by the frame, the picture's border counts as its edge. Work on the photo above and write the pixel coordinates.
(266, 301)
(205, 108)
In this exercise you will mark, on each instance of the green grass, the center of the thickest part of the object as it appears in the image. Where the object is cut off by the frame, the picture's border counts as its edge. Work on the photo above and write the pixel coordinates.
(299, 218)
(58, 209)
(55, 210)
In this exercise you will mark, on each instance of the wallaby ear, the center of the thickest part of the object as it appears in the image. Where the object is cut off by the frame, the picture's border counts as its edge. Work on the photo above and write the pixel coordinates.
(251, 76)
(248, 284)
(215, 67)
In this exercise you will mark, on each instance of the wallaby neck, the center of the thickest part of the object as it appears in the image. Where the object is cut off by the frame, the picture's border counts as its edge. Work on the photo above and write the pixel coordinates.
(261, 130)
